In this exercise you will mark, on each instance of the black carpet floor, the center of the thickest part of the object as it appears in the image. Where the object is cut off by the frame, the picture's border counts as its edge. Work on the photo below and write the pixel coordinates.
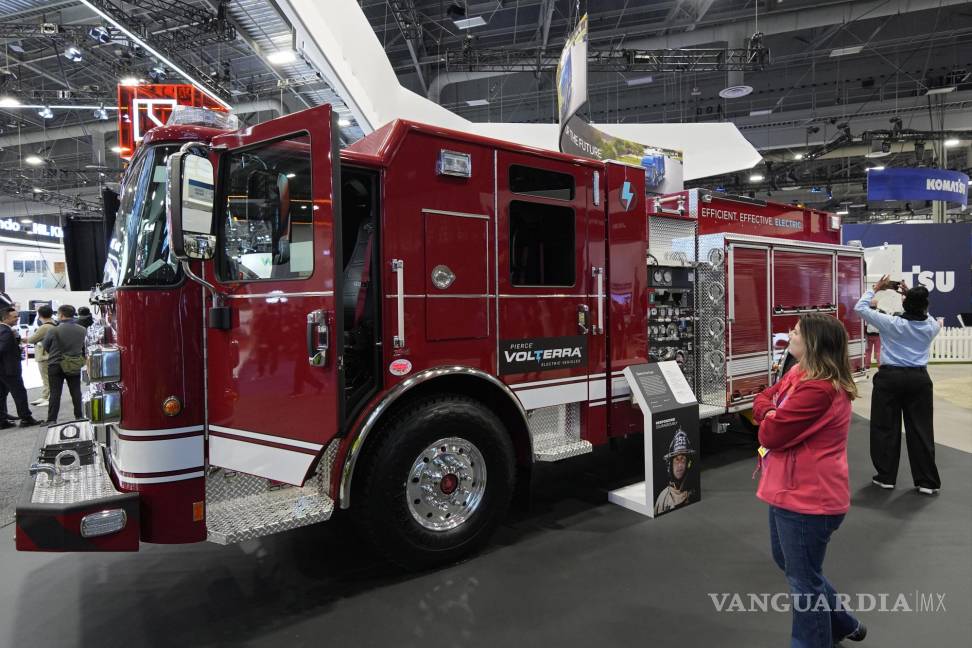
(568, 570)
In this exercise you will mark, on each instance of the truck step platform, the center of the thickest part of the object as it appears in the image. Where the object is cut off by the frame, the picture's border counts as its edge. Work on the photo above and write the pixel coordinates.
(556, 433)
(241, 507)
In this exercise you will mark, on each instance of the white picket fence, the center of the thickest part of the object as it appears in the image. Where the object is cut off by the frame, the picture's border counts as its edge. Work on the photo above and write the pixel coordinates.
(952, 345)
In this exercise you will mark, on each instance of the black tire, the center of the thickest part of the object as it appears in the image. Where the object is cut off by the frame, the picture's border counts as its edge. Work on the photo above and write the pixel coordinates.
(378, 502)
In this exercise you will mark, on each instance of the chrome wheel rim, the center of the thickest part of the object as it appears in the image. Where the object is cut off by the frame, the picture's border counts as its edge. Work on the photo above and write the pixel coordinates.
(446, 483)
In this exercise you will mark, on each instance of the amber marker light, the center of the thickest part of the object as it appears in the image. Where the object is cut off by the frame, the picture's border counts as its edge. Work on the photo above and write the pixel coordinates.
(171, 406)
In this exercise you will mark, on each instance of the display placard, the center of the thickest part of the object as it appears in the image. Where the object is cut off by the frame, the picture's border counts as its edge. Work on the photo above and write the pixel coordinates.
(672, 443)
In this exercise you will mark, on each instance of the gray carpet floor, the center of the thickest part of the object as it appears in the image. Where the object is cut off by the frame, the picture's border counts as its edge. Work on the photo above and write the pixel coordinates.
(568, 570)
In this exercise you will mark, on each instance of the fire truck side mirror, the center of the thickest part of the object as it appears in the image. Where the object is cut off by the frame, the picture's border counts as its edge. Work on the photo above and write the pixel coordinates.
(190, 197)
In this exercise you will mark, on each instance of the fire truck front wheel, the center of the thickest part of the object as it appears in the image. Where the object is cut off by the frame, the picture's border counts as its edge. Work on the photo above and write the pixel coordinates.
(435, 481)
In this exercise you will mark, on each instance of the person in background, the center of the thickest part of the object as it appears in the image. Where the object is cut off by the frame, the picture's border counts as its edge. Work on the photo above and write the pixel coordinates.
(803, 424)
(84, 316)
(873, 347)
(65, 356)
(902, 387)
(45, 321)
(11, 369)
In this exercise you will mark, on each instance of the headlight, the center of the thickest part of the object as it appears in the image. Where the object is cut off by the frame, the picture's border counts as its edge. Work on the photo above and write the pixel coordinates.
(103, 406)
(103, 364)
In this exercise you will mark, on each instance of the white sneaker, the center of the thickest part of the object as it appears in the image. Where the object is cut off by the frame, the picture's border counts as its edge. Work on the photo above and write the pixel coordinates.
(37, 401)
(41, 403)
(882, 484)
(928, 491)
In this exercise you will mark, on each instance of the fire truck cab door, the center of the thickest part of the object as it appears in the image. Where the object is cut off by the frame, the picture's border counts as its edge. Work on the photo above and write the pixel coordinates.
(273, 378)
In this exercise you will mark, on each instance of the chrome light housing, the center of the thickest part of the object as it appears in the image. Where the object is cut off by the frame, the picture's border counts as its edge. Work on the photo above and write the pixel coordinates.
(103, 406)
(103, 364)
(103, 523)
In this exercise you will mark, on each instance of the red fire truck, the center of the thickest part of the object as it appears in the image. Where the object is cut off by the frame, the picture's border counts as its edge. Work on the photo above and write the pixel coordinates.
(400, 328)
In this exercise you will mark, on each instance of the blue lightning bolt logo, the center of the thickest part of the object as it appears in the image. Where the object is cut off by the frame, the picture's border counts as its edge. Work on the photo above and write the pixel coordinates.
(626, 196)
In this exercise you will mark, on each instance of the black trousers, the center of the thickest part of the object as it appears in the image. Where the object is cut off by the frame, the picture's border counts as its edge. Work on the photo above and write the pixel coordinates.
(903, 392)
(57, 378)
(14, 385)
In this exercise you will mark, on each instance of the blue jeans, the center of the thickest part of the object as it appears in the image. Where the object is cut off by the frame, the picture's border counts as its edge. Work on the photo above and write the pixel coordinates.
(799, 543)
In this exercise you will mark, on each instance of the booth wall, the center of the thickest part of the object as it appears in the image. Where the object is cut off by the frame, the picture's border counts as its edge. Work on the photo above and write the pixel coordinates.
(937, 256)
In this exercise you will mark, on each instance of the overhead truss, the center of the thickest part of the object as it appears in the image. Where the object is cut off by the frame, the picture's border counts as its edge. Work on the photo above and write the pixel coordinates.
(744, 59)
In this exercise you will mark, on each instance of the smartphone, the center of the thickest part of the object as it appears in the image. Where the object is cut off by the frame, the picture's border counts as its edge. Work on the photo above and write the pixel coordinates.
(894, 285)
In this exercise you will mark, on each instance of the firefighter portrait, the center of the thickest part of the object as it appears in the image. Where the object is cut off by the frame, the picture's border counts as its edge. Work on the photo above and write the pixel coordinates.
(679, 462)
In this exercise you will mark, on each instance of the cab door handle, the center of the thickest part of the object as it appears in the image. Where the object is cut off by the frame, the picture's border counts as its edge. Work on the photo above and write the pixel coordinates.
(318, 338)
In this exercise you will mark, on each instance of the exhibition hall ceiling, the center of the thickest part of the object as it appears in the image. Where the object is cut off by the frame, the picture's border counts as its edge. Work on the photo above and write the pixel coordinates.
(836, 70)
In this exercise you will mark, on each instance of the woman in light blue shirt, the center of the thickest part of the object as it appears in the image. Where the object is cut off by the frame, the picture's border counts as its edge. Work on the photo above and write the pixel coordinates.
(903, 389)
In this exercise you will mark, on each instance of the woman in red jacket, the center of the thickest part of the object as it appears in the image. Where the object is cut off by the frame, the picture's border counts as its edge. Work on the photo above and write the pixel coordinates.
(804, 419)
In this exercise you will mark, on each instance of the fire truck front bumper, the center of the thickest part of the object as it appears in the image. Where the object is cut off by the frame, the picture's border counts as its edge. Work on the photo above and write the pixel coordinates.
(69, 502)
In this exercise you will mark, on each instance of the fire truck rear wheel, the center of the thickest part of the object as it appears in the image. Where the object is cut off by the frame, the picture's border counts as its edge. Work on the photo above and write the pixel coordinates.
(435, 482)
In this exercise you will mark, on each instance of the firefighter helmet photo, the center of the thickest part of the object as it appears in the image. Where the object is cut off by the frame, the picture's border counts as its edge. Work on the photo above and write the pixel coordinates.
(682, 485)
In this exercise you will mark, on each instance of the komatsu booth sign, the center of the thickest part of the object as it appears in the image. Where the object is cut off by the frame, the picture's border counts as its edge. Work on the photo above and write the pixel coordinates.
(918, 184)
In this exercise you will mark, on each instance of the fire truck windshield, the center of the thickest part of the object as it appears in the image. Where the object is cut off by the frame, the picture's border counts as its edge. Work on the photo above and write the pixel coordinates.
(139, 253)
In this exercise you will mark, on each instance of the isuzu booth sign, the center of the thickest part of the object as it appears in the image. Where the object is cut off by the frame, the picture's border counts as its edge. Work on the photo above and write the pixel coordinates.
(936, 256)
(918, 184)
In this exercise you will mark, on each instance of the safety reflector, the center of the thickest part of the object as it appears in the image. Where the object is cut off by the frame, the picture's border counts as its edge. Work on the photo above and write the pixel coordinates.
(103, 523)
(198, 511)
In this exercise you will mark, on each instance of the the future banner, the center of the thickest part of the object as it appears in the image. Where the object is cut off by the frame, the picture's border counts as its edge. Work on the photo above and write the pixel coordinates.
(663, 167)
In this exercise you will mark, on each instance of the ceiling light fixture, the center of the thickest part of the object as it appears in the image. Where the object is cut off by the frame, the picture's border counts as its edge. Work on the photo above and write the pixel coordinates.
(844, 51)
(282, 57)
(477, 102)
(875, 168)
(34, 160)
(343, 122)
(73, 53)
(100, 113)
(100, 34)
(938, 91)
(469, 23)
(46, 112)
(128, 81)
(951, 143)
(841, 212)
(798, 156)
(756, 177)
(9, 102)
(735, 92)
(157, 74)
(759, 113)
(162, 59)
(637, 81)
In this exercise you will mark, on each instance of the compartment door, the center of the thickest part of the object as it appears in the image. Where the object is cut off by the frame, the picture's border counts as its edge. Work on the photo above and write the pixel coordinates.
(748, 362)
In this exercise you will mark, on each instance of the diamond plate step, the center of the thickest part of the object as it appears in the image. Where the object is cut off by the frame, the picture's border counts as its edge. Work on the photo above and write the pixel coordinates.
(252, 516)
(565, 451)
(556, 433)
